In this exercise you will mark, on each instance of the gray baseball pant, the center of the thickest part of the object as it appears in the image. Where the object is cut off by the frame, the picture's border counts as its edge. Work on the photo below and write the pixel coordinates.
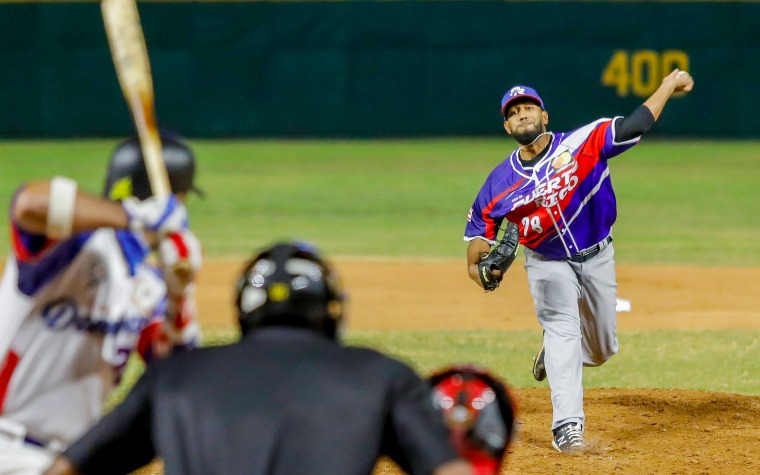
(575, 305)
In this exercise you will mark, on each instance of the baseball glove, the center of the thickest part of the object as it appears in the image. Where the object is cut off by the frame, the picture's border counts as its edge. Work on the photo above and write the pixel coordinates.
(500, 258)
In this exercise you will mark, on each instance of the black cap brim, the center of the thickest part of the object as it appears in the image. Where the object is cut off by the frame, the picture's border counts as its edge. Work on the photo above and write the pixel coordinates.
(197, 191)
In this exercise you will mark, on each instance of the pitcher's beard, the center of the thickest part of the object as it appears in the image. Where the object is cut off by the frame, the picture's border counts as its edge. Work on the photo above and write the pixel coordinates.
(528, 137)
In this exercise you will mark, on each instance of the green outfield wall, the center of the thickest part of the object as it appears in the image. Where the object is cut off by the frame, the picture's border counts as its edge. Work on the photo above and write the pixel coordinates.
(369, 69)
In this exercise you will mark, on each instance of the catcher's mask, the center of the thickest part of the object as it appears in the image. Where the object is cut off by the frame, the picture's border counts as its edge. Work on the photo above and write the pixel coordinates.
(479, 412)
(127, 175)
(289, 284)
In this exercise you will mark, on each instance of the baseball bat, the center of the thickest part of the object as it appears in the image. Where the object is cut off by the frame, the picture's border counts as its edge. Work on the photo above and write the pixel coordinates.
(130, 58)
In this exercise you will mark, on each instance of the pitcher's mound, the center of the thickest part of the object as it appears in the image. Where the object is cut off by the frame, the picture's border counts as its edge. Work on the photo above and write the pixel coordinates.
(639, 431)
(643, 431)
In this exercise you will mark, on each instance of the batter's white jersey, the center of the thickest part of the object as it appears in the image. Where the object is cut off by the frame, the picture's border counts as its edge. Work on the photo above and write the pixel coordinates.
(70, 315)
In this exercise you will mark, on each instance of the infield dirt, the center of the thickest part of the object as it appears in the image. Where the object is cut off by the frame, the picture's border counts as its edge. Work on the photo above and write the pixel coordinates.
(632, 431)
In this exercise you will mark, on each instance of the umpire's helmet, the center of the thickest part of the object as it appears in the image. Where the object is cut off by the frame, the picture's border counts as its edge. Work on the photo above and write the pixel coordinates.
(289, 284)
(479, 412)
(127, 175)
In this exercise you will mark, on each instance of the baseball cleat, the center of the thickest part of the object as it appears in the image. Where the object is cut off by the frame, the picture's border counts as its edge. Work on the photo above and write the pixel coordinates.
(568, 438)
(539, 370)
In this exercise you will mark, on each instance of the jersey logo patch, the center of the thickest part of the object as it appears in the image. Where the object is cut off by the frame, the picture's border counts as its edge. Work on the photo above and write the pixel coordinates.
(469, 216)
(562, 160)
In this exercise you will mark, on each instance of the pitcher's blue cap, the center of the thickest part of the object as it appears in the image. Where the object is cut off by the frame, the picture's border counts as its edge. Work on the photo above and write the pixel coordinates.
(520, 92)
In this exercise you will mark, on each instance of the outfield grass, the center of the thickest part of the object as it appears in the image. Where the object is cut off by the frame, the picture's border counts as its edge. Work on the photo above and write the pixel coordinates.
(679, 202)
(714, 360)
(717, 360)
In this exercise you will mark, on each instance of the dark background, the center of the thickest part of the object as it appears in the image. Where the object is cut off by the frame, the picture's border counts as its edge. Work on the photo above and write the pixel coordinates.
(375, 69)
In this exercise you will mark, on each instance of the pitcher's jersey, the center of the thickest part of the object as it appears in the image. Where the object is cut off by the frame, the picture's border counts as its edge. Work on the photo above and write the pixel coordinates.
(70, 315)
(562, 205)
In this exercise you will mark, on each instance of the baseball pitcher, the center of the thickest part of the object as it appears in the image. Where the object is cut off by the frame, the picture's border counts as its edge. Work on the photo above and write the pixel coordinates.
(555, 194)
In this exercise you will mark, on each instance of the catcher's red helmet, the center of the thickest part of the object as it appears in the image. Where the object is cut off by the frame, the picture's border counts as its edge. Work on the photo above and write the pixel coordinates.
(479, 412)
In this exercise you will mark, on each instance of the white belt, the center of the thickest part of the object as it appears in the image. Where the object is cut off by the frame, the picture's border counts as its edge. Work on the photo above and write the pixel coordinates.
(15, 433)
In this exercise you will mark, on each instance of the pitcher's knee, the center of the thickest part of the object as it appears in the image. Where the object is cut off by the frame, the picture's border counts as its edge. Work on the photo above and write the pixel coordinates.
(600, 356)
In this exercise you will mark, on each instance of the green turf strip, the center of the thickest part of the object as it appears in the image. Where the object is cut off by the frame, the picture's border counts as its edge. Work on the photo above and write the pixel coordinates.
(679, 202)
(715, 360)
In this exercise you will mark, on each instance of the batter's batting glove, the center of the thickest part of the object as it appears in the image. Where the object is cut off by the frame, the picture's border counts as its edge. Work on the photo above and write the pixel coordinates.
(158, 215)
(181, 256)
(500, 258)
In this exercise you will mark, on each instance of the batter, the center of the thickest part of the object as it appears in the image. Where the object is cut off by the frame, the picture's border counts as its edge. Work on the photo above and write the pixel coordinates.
(81, 292)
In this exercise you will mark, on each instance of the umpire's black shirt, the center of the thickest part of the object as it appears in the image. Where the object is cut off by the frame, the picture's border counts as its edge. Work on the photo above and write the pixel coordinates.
(281, 401)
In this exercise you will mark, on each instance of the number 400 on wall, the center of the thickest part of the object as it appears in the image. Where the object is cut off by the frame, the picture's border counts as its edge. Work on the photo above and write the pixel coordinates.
(640, 72)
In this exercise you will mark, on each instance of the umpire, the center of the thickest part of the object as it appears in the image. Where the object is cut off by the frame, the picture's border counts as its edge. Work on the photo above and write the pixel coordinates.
(287, 398)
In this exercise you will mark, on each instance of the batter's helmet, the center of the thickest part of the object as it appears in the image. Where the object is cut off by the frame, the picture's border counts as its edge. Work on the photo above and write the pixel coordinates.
(479, 412)
(289, 284)
(127, 175)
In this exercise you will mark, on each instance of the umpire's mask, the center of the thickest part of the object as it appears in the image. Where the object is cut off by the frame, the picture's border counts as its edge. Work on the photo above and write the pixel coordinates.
(290, 285)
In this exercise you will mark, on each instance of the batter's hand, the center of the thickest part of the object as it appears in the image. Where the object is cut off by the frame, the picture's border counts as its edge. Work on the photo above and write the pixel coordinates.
(156, 215)
(181, 257)
(681, 81)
